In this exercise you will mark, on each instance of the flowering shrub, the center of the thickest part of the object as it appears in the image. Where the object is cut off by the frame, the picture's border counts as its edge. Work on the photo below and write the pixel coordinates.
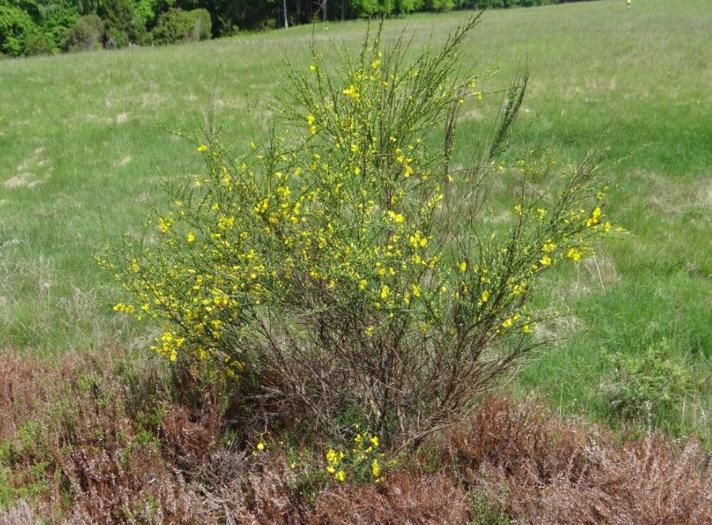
(362, 463)
(346, 267)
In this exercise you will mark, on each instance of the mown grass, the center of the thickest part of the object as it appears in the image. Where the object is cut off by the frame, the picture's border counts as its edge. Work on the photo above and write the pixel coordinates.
(85, 143)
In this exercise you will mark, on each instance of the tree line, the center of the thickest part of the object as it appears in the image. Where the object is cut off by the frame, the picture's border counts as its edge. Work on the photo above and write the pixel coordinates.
(31, 27)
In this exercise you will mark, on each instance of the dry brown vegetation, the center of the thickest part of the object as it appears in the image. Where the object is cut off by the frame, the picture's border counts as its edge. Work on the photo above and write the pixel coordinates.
(559, 472)
(103, 441)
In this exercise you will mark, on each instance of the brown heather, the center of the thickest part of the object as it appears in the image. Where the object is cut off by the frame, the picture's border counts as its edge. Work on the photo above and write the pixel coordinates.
(27, 384)
(256, 490)
(188, 436)
(546, 471)
(73, 420)
(403, 498)
(114, 447)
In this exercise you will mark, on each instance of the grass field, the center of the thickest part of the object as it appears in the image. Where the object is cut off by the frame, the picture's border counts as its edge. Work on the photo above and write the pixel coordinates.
(85, 141)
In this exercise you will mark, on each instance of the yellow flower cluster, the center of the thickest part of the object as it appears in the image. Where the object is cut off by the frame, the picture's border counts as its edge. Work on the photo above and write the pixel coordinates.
(333, 464)
(169, 345)
(364, 459)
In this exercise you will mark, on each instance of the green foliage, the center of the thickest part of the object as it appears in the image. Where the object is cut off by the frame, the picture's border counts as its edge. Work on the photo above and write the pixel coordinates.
(41, 26)
(486, 511)
(56, 16)
(121, 25)
(182, 26)
(38, 43)
(499, 4)
(42, 23)
(368, 8)
(15, 27)
(438, 5)
(147, 11)
(649, 387)
(345, 262)
(86, 34)
(26, 447)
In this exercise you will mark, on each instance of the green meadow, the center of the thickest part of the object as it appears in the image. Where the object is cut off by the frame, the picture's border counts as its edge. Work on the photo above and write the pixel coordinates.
(86, 142)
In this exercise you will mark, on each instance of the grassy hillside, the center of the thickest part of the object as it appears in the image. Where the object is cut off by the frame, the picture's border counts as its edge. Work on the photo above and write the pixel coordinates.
(86, 139)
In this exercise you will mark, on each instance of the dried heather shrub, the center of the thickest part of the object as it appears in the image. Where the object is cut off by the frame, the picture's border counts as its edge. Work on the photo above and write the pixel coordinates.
(115, 474)
(189, 436)
(254, 490)
(545, 471)
(73, 420)
(402, 498)
(20, 514)
(28, 383)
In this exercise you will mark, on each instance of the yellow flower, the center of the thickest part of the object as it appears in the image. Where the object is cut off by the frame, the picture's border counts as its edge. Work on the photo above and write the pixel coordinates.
(362, 284)
(416, 290)
(331, 456)
(340, 475)
(548, 247)
(385, 291)
(260, 446)
(526, 329)
(396, 217)
(126, 308)
(220, 299)
(595, 217)
(417, 240)
(375, 64)
(463, 266)
(202, 148)
(375, 469)
(574, 254)
(374, 441)
(262, 206)
(485, 296)
(190, 237)
(226, 223)
(545, 260)
(164, 224)
(519, 288)
(351, 91)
